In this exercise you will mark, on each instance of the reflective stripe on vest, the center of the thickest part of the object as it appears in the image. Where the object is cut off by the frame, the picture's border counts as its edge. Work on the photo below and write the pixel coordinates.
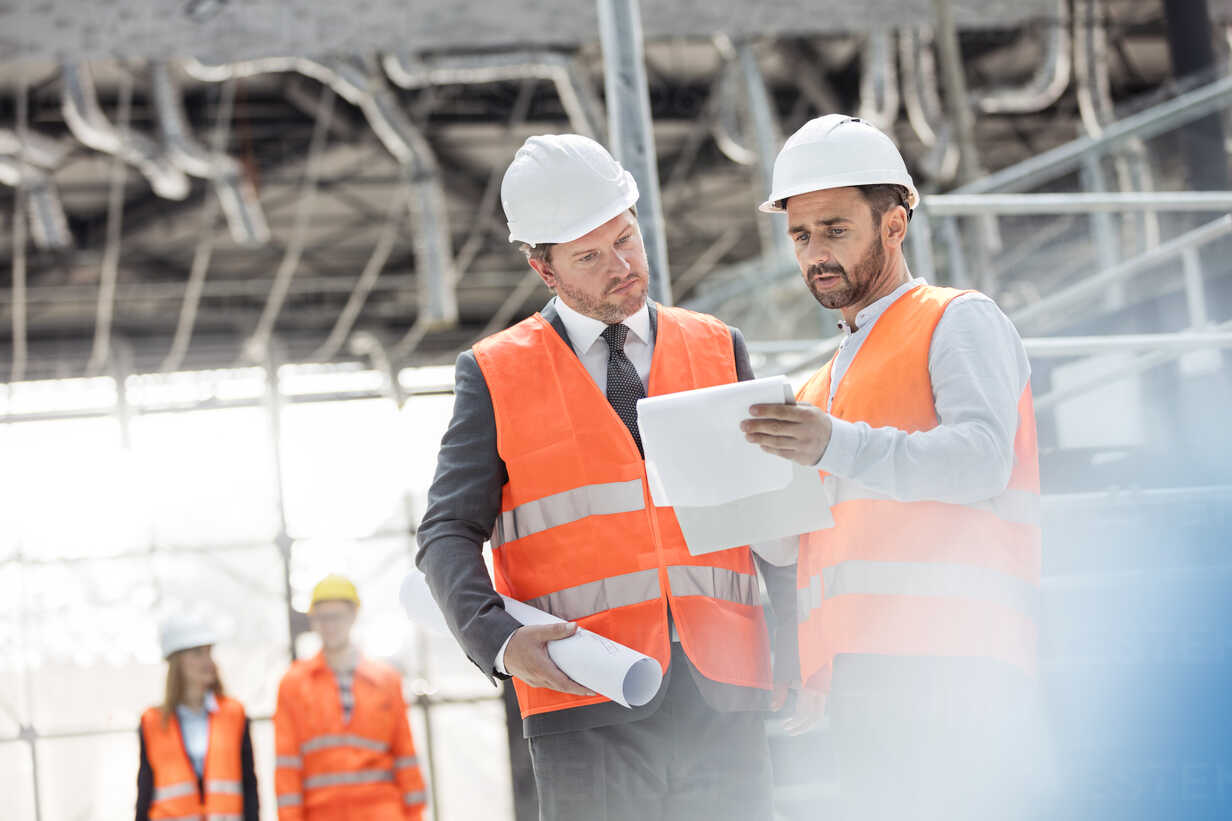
(1013, 505)
(406, 761)
(643, 586)
(413, 798)
(224, 816)
(325, 742)
(291, 799)
(293, 762)
(715, 583)
(351, 777)
(565, 507)
(226, 787)
(174, 791)
(605, 594)
(857, 577)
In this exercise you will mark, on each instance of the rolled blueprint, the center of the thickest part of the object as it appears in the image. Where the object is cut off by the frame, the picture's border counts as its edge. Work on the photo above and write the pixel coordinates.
(624, 675)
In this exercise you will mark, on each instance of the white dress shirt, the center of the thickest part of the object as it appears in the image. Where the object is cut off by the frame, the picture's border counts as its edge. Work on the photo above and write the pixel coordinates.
(590, 347)
(195, 730)
(584, 334)
(978, 368)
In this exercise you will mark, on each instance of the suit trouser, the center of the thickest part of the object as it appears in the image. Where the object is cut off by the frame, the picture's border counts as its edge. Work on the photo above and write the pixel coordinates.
(686, 761)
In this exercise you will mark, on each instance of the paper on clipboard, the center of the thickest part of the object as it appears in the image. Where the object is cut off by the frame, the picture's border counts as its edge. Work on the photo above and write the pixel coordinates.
(726, 491)
(696, 455)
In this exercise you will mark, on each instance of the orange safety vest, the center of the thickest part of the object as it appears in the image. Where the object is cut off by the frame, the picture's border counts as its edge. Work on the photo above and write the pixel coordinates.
(578, 534)
(175, 780)
(917, 578)
(326, 770)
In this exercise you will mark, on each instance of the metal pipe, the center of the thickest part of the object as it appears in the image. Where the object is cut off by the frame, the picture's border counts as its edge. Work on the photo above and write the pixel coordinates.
(367, 89)
(85, 119)
(774, 239)
(956, 90)
(257, 346)
(1173, 343)
(236, 193)
(879, 98)
(205, 245)
(630, 130)
(1079, 203)
(41, 202)
(1135, 366)
(18, 368)
(109, 269)
(33, 147)
(1068, 158)
(584, 111)
(923, 104)
(367, 279)
(730, 95)
(1050, 79)
(1044, 313)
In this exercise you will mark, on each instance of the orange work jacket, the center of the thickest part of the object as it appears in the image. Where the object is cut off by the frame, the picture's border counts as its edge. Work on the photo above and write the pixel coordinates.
(175, 781)
(578, 534)
(917, 578)
(330, 771)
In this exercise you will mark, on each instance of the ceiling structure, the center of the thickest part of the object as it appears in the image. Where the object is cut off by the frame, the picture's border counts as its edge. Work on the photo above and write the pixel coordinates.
(288, 203)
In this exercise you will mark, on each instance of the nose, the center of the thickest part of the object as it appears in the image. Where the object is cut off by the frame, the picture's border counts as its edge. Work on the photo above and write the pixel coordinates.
(620, 261)
(817, 252)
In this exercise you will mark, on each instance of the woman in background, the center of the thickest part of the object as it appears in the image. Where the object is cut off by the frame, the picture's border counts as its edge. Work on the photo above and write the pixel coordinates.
(196, 752)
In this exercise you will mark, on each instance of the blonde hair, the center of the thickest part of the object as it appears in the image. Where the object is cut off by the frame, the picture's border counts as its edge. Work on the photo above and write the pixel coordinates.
(173, 693)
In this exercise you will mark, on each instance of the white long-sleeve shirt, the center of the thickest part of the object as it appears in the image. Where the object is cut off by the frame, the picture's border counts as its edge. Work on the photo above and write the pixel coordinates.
(978, 368)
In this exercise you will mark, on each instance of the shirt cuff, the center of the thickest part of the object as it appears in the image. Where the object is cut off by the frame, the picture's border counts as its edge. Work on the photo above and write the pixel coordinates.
(839, 457)
(500, 657)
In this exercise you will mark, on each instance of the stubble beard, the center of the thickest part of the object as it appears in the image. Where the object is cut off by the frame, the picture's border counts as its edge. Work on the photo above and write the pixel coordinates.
(607, 312)
(855, 286)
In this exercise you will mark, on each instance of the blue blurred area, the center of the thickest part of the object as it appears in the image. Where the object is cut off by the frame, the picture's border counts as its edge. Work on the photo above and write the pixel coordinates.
(1137, 655)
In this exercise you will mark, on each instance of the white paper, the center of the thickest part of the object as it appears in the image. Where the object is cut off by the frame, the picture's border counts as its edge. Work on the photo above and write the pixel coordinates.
(696, 454)
(419, 604)
(624, 675)
(769, 522)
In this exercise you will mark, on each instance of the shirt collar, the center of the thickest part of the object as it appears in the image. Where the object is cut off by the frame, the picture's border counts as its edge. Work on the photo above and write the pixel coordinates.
(870, 314)
(584, 330)
(209, 703)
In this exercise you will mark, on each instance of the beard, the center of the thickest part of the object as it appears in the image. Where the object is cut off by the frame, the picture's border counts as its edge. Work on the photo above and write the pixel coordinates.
(855, 286)
(609, 308)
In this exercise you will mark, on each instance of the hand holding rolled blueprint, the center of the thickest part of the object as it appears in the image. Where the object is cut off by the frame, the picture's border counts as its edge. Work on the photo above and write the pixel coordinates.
(624, 675)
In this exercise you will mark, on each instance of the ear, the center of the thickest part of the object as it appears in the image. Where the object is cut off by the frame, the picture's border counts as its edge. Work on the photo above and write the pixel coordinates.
(894, 227)
(544, 271)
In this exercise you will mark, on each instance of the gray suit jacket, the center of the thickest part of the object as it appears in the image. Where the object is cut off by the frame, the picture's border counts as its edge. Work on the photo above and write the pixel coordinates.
(463, 505)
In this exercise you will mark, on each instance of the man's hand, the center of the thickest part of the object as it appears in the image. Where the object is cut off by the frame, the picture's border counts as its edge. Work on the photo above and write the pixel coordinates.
(796, 432)
(526, 657)
(810, 707)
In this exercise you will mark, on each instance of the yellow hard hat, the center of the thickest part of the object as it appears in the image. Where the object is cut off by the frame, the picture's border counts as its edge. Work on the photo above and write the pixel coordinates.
(335, 588)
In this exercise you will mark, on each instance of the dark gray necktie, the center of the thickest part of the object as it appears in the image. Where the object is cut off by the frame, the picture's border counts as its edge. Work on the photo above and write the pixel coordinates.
(624, 386)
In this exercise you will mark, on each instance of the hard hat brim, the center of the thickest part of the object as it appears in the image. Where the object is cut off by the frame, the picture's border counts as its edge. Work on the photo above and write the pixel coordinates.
(890, 177)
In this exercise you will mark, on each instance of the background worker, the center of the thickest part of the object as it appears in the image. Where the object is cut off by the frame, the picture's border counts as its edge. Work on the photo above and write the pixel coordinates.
(918, 608)
(196, 752)
(543, 456)
(340, 729)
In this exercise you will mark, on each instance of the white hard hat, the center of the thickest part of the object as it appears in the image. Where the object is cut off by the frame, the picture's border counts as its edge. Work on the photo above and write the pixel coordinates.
(182, 633)
(836, 151)
(562, 186)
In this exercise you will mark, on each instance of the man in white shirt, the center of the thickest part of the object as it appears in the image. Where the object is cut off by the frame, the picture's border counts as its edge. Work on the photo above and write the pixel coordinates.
(918, 610)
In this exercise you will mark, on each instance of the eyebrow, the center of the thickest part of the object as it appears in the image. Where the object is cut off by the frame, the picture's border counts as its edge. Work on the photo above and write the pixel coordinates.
(586, 251)
(827, 223)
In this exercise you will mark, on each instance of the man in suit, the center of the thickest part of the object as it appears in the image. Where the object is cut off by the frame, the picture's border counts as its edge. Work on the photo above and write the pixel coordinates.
(544, 458)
